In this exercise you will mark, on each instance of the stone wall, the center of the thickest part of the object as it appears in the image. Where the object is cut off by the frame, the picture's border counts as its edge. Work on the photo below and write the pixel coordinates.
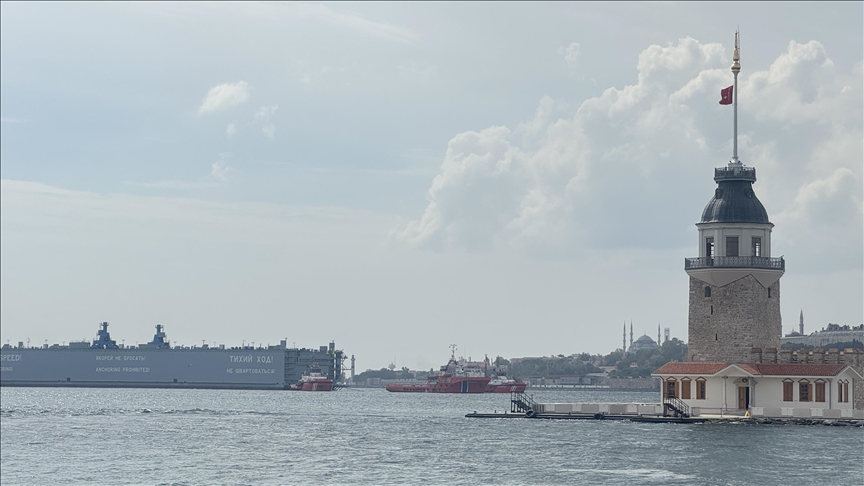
(736, 318)
(850, 356)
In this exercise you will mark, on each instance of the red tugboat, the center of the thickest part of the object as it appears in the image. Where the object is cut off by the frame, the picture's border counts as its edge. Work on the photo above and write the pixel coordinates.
(313, 380)
(453, 378)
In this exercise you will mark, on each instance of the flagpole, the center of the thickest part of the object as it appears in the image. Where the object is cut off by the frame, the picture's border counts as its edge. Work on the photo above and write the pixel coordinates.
(736, 67)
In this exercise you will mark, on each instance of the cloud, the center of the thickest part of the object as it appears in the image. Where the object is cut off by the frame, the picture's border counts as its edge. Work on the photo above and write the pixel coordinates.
(218, 176)
(571, 53)
(263, 115)
(265, 112)
(224, 96)
(231, 130)
(631, 168)
(11, 120)
(269, 130)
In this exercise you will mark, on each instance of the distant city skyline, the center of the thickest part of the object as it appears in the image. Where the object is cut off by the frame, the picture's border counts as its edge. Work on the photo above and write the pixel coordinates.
(515, 178)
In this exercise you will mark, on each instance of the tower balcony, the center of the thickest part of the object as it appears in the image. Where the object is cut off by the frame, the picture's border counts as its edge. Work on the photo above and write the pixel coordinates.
(767, 263)
(735, 174)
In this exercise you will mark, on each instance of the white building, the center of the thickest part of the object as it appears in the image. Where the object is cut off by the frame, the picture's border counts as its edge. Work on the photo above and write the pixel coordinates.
(763, 389)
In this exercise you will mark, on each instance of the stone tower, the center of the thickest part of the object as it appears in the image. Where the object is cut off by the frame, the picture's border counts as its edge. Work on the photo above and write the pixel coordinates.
(734, 282)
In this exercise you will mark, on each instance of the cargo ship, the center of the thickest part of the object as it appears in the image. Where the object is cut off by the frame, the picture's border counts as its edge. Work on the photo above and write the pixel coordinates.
(453, 377)
(156, 364)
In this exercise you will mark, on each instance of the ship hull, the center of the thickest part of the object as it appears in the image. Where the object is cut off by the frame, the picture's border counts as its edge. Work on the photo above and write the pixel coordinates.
(517, 387)
(256, 369)
(318, 385)
(456, 385)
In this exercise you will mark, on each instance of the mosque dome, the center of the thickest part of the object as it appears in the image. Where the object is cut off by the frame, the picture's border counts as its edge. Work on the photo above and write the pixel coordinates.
(644, 342)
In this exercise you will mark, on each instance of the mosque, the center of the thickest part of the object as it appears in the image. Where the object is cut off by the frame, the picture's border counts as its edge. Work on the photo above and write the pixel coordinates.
(735, 361)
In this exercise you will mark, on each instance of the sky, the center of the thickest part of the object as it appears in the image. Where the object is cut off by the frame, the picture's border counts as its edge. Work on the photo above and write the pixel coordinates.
(518, 179)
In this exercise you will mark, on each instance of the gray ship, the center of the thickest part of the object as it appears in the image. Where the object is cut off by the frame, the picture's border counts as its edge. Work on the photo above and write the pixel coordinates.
(104, 363)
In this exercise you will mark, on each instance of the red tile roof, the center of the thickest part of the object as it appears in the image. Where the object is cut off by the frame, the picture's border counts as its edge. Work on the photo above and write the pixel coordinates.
(768, 369)
(696, 368)
(799, 369)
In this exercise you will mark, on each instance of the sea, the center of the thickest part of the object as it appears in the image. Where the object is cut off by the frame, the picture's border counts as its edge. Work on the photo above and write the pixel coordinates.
(359, 436)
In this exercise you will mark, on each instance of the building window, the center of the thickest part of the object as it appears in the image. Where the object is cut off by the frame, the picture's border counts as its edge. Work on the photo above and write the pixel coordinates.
(757, 246)
(700, 388)
(671, 385)
(819, 391)
(787, 390)
(707, 291)
(685, 388)
(709, 247)
(843, 391)
(804, 392)
(731, 246)
(769, 292)
(712, 311)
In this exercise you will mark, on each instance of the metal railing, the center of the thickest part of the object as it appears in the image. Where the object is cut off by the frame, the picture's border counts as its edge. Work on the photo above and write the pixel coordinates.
(521, 402)
(678, 407)
(771, 263)
(735, 173)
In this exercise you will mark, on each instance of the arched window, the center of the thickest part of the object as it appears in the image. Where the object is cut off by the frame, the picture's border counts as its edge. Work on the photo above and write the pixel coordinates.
(700, 388)
(843, 391)
(819, 390)
(670, 391)
(685, 388)
(805, 391)
(707, 291)
(787, 390)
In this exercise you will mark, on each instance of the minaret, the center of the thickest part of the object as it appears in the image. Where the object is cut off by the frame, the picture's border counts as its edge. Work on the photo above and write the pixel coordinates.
(624, 338)
(631, 333)
(801, 323)
(734, 282)
(658, 334)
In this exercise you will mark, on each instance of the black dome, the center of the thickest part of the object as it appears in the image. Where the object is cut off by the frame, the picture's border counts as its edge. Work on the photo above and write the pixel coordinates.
(734, 202)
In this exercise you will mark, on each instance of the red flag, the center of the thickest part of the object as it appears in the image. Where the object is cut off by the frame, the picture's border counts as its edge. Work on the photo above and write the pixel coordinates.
(726, 96)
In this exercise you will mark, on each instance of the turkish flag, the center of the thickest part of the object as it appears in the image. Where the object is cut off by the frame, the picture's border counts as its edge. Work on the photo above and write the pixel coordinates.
(726, 96)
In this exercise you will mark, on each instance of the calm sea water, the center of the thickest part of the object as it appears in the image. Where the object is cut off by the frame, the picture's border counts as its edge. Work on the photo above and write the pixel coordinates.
(369, 436)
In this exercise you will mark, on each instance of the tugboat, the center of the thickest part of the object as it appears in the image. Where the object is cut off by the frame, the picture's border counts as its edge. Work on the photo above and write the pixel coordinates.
(452, 378)
(313, 380)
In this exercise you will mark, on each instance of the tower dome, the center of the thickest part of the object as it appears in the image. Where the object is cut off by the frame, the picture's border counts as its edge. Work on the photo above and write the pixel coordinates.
(734, 200)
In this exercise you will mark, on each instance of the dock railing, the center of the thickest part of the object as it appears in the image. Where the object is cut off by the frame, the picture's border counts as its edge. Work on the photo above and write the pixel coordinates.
(521, 402)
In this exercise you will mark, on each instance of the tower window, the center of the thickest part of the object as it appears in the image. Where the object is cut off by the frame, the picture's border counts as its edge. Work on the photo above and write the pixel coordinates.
(757, 246)
(769, 292)
(712, 310)
(709, 247)
(732, 246)
(715, 337)
(707, 291)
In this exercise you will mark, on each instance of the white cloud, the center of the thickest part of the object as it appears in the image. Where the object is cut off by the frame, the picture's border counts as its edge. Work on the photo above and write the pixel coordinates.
(231, 130)
(571, 53)
(265, 112)
(269, 130)
(631, 168)
(224, 96)
(7, 119)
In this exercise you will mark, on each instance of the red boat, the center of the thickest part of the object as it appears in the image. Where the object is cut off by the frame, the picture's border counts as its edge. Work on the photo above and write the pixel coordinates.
(453, 378)
(313, 380)
(502, 384)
